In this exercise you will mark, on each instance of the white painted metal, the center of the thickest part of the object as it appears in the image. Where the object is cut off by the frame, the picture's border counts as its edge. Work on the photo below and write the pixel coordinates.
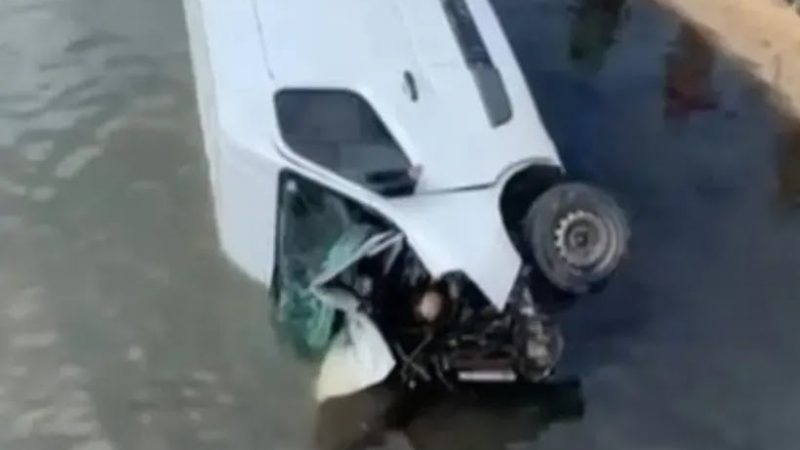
(244, 51)
(359, 356)
(488, 376)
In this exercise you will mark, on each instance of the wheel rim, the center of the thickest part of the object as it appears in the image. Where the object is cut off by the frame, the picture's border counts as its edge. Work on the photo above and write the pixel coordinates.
(578, 235)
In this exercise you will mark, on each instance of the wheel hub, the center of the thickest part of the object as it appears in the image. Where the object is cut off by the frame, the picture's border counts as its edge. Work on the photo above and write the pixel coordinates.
(582, 239)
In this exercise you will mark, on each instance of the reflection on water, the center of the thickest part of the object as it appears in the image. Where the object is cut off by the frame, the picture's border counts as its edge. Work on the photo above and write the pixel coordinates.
(789, 164)
(594, 31)
(660, 351)
(481, 418)
(689, 68)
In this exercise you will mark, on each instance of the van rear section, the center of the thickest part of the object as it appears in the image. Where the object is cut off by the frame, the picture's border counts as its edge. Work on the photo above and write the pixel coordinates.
(439, 75)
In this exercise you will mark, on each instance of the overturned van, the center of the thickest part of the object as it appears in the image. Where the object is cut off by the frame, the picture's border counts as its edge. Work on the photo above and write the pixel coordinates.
(382, 167)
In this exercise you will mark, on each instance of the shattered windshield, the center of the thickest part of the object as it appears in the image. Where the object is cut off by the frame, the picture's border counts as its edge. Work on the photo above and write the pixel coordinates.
(318, 232)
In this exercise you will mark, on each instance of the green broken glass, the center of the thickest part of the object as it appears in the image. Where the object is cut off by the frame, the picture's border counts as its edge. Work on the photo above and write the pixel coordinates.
(316, 233)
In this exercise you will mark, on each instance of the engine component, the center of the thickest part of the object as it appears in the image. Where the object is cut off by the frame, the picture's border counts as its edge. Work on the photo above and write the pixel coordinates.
(429, 307)
(540, 345)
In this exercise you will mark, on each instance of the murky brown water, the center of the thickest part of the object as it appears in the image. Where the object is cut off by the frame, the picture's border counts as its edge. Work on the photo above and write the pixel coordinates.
(122, 327)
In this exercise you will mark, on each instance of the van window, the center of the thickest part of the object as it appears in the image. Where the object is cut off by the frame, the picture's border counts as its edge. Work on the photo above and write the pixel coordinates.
(487, 77)
(340, 131)
(469, 38)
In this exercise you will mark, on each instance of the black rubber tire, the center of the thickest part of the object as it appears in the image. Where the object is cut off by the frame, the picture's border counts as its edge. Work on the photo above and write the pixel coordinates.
(550, 211)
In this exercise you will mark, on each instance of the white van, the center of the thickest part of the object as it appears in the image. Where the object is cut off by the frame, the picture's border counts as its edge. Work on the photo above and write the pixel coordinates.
(382, 166)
